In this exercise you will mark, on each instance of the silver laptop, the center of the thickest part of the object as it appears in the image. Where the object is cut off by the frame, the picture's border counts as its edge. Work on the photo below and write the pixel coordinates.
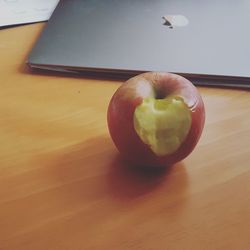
(208, 41)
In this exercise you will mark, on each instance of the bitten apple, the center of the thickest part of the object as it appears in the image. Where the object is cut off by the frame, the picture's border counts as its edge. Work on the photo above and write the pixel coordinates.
(156, 119)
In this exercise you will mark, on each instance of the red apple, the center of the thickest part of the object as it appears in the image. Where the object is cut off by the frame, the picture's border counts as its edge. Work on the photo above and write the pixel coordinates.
(156, 119)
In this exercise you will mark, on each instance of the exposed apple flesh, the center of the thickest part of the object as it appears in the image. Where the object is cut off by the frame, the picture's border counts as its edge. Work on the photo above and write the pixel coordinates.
(163, 124)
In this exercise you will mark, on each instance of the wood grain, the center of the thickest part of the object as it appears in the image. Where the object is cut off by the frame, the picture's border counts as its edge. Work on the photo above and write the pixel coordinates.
(63, 185)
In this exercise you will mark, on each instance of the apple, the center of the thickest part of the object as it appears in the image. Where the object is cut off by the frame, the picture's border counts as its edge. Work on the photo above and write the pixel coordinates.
(155, 119)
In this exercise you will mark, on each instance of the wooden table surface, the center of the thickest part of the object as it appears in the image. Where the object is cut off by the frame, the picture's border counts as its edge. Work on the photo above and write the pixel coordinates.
(63, 185)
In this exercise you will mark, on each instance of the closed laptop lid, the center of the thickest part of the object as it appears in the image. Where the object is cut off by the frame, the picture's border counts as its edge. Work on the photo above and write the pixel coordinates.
(196, 38)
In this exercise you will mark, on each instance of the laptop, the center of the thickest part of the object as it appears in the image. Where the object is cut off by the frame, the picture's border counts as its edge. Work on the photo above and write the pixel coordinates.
(206, 41)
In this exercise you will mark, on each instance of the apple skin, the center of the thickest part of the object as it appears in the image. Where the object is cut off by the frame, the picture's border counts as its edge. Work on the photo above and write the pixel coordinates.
(121, 110)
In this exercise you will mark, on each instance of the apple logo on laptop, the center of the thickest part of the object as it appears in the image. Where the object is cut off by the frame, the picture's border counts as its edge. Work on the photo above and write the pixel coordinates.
(173, 21)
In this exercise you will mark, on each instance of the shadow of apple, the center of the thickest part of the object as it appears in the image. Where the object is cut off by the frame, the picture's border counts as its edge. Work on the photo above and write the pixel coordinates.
(128, 182)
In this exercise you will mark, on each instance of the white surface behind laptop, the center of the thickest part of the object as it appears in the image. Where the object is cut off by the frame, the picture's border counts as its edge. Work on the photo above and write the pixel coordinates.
(13, 12)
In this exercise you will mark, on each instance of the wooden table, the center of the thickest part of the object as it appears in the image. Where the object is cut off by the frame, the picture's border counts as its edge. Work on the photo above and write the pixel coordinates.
(63, 185)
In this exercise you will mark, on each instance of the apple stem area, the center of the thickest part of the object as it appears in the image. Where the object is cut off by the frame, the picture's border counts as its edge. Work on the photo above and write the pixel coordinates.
(162, 123)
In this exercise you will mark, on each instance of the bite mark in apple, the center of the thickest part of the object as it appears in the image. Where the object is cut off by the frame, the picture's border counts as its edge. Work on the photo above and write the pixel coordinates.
(163, 124)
